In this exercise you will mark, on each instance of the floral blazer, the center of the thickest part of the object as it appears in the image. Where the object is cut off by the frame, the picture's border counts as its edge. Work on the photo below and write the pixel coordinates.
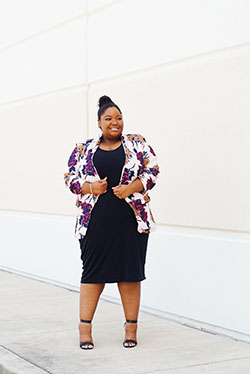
(140, 161)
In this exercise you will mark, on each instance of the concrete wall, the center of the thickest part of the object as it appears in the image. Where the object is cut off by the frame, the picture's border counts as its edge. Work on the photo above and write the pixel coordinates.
(180, 73)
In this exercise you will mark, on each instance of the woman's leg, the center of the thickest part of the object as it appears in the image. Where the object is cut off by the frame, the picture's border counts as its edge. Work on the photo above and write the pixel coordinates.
(130, 295)
(89, 297)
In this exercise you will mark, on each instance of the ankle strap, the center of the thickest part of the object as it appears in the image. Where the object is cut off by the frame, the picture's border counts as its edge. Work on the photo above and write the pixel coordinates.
(85, 321)
(131, 320)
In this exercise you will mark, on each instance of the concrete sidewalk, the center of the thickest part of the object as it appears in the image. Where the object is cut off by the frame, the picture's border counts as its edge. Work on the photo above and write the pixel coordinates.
(39, 334)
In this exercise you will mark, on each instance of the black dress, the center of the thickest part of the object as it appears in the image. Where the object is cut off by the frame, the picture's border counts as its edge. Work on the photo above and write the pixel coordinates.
(112, 249)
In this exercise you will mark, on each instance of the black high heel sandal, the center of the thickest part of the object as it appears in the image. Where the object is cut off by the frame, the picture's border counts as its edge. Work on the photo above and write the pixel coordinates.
(86, 345)
(134, 342)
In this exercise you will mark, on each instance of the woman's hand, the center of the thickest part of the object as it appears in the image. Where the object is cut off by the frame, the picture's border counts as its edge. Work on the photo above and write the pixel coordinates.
(124, 190)
(121, 191)
(100, 187)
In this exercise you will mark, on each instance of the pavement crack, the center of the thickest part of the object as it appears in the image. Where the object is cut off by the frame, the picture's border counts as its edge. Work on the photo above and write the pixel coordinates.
(25, 359)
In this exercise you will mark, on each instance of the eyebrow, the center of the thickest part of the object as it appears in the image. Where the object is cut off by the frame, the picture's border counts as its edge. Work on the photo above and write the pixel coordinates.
(108, 115)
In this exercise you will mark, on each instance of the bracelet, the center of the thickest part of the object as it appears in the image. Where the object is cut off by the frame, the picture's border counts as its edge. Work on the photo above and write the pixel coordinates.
(90, 186)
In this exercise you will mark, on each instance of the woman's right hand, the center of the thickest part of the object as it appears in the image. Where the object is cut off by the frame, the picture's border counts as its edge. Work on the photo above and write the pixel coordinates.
(100, 187)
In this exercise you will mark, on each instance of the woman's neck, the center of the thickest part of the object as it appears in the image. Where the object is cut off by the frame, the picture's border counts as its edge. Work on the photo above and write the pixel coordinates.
(107, 141)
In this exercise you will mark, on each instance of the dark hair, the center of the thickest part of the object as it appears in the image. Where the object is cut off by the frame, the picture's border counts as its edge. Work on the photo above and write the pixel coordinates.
(104, 103)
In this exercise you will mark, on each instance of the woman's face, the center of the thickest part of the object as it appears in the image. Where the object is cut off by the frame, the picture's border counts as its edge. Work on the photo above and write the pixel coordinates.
(111, 123)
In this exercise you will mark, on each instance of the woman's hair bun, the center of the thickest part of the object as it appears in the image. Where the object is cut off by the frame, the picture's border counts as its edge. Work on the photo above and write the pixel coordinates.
(104, 100)
(104, 103)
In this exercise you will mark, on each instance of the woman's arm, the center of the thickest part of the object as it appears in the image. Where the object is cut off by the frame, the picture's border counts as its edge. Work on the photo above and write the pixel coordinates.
(85, 188)
(135, 186)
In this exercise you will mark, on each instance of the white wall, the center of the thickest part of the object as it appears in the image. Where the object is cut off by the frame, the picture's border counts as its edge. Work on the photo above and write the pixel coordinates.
(180, 73)
(140, 34)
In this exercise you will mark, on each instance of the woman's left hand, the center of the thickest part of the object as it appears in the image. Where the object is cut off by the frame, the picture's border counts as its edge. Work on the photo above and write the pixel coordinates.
(122, 191)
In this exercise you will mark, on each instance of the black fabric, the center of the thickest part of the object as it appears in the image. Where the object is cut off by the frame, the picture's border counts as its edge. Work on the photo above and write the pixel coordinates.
(112, 249)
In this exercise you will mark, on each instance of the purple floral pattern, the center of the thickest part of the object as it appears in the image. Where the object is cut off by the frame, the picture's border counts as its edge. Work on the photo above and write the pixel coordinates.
(90, 169)
(127, 176)
(86, 210)
(75, 187)
(139, 207)
(150, 184)
(151, 150)
(141, 166)
(72, 160)
(154, 171)
(139, 156)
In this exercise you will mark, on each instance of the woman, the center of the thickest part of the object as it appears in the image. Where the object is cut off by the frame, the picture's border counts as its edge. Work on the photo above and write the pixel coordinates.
(111, 177)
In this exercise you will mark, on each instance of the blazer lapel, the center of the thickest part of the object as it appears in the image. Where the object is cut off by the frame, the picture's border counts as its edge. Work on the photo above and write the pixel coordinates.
(90, 154)
(129, 160)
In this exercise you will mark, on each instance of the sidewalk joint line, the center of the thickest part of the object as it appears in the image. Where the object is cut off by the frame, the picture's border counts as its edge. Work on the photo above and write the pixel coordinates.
(25, 359)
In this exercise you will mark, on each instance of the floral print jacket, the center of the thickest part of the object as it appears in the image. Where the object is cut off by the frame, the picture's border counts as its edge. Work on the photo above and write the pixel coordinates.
(140, 161)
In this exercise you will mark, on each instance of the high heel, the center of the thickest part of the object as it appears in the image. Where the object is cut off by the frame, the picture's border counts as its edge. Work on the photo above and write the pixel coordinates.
(127, 341)
(86, 345)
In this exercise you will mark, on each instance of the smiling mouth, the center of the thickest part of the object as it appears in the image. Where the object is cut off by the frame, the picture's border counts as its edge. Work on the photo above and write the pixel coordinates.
(114, 129)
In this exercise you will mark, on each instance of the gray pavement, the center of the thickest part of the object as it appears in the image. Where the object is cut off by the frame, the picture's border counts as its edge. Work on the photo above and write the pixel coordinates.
(39, 334)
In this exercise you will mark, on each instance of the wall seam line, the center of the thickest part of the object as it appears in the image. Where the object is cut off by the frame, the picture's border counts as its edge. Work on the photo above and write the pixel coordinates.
(195, 59)
(100, 8)
(44, 31)
(219, 54)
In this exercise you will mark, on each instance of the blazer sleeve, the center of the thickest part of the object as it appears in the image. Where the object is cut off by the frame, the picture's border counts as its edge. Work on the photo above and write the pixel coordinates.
(73, 179)
(150, 170)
